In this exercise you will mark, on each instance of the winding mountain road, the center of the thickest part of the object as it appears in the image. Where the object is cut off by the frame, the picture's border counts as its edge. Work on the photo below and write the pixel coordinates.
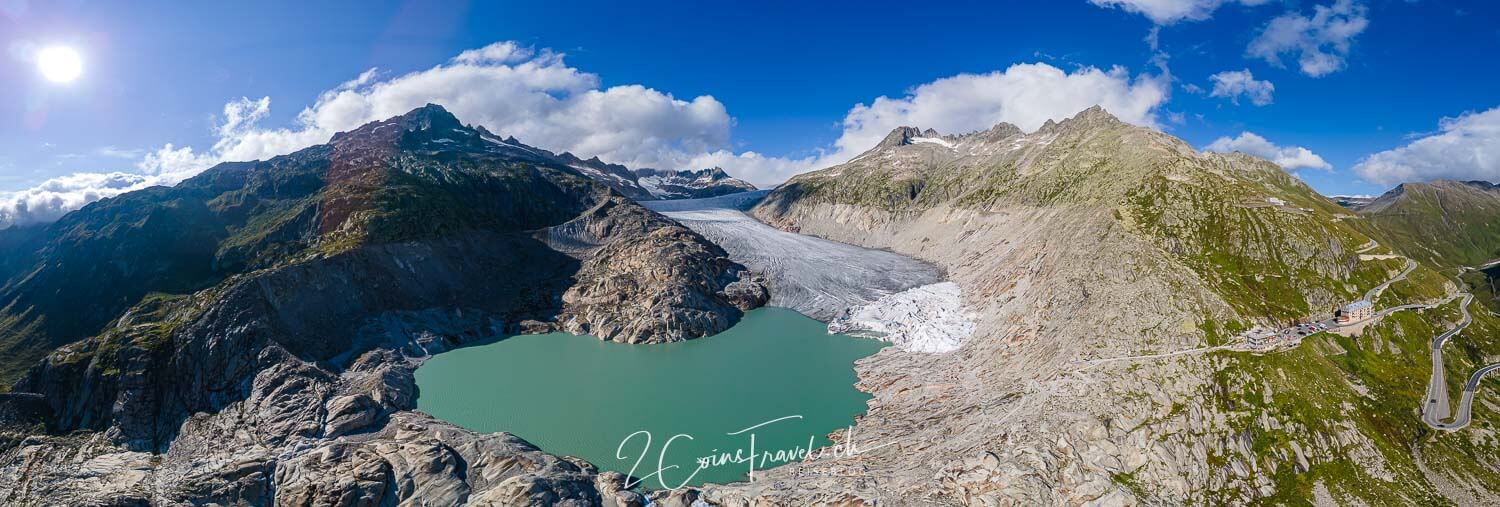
(1436, 408)
(1374, 292)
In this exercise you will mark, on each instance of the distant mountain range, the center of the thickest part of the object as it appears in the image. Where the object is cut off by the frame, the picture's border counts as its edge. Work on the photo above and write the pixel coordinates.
(654, 184)
(1445, 223)
(1454, 225)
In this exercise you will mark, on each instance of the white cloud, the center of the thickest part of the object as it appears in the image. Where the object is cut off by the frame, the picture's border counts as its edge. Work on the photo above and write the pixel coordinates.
(1232, 84)
(515, 91)
(53, 198)
(1166, 12)
(1466, 148)
(170, 164)
(1026, 95)
(534, 96)
(1288, 157)
(118, 152)
(1321, 41)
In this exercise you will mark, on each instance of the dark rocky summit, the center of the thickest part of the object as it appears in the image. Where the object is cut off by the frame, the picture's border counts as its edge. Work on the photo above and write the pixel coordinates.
(249, 336)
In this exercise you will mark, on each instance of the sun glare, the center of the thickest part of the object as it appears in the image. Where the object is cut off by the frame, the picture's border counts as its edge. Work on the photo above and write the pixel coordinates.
(59, 64)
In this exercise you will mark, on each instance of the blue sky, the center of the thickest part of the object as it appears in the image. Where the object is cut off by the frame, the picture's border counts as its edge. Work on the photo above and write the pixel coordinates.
(780, 80)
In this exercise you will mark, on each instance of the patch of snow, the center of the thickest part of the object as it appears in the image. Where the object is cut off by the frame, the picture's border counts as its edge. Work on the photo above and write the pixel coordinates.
(652, 184)
(503, 143)
(932, 140)
(599, 174)
(929, 318)
(443, 140)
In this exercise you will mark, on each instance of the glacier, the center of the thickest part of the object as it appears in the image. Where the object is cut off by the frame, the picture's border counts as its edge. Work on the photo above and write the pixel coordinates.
(865, 292)
(928, 319)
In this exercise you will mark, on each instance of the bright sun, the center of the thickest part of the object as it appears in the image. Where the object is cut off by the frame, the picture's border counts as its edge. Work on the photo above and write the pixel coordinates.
(59, 64)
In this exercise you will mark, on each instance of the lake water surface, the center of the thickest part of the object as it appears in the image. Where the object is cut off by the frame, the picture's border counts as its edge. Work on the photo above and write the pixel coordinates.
(579, 396)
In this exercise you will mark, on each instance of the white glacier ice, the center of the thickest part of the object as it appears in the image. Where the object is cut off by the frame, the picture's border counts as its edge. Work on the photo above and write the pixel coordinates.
(929, 318)
(860, 291)
(814, 276)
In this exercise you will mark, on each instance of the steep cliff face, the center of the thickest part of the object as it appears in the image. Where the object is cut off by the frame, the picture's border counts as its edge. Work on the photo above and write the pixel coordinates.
(1105, 264)
(269, 354)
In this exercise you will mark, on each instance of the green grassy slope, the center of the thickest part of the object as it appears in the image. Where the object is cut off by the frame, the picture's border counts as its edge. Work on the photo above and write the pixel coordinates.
(1442, 223)
(1276, 263)
(1274, 250)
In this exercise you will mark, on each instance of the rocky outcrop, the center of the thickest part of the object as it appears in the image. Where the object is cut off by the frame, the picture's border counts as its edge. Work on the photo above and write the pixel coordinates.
(666, 284)
(412, 459)
(292, 382)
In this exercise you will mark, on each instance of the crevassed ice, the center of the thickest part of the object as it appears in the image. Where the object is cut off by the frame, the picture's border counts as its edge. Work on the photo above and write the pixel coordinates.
(929, 318)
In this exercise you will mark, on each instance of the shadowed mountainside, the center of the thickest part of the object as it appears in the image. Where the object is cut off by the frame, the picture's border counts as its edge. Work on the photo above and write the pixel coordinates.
(239, 323)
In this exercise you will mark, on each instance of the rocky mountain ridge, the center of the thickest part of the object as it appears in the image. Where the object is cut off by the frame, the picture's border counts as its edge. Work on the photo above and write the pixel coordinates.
(657, 184)
(319, 280)
(1105, 263)
(1446, 223)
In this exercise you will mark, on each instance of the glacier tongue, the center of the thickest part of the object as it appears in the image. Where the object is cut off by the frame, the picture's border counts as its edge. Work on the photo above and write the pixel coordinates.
(816, 277)
(929, 318)
(858, 291)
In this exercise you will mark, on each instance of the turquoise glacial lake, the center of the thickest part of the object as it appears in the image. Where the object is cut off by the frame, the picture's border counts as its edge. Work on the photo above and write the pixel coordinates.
(620, 406)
